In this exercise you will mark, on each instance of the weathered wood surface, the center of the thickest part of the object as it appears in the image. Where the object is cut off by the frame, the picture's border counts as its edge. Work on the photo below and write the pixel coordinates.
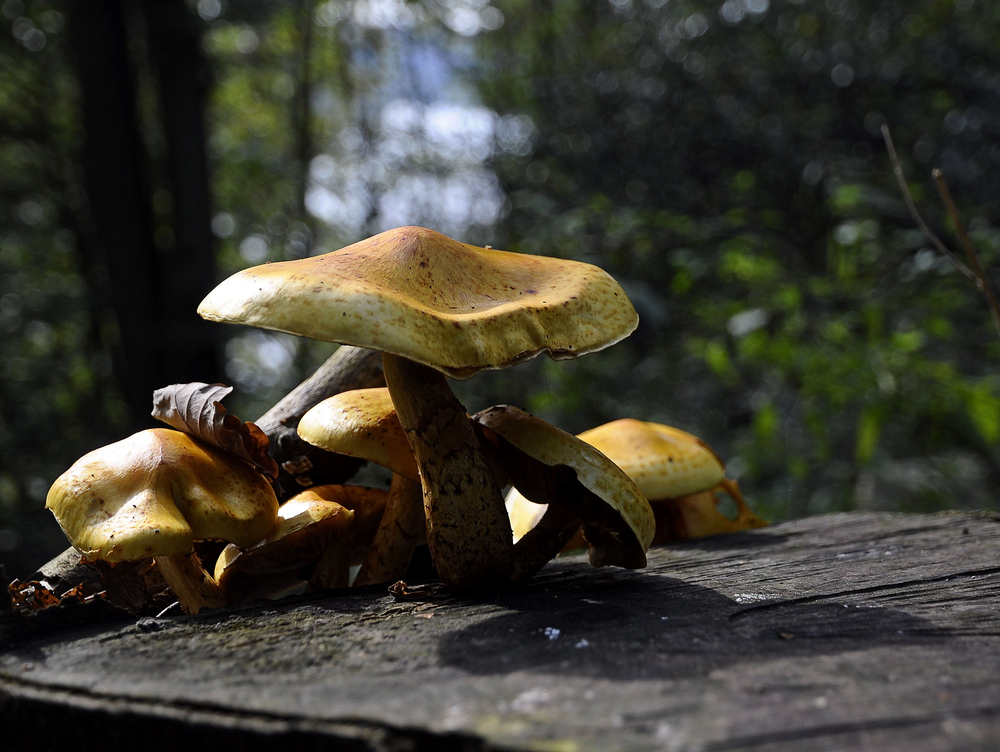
(843, 632)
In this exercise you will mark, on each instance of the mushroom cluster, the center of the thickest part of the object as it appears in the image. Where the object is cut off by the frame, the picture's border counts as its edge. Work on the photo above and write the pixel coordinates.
(435, 309)
(676, 471)
(438, 308)
(578, 486)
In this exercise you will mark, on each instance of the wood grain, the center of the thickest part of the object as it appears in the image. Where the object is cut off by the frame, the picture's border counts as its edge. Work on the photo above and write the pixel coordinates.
(846, 632)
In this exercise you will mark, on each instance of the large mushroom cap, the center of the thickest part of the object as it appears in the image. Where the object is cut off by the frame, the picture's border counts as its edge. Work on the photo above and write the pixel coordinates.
(665, 462)
(155, 493)
(361, 423)
(418, 294)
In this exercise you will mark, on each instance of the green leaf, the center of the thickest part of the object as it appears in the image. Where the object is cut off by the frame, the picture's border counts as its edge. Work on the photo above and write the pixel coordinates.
(869, 432)
(984, 410)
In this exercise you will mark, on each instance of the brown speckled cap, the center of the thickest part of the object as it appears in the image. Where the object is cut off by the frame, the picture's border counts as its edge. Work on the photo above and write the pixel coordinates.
(155, 493)
(418, 294)
(665, 462)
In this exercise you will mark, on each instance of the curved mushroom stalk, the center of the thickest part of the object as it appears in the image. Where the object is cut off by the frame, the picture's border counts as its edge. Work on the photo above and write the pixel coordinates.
(468, 531)
(549, 466)
(194, 587)
(401, 530)
(698, 516)
(556, 528)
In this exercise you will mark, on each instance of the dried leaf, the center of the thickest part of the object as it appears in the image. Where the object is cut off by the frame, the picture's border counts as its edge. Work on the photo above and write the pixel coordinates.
(196, 409)
(31, 596)
(74, 594)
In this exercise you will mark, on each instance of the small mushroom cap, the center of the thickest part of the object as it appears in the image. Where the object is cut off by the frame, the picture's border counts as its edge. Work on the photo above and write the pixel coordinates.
(664, 462)
(304, 514)
(367, 504)
(621, 531)
(421, 295)
(155, 493)
(305, 528)
(361, 423)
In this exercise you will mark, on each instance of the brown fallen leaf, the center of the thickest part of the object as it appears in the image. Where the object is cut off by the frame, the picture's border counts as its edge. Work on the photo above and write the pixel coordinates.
(76, 593)
(197, 409)
(31, 596)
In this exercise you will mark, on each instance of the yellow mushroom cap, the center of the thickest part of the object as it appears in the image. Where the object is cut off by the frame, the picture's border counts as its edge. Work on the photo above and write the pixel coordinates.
(301, 513)
(675, 470)
(664, 462)
(418, 294)
(305, 527)
(361, 423)
(155, 493)
(620, 532)
(367, 504)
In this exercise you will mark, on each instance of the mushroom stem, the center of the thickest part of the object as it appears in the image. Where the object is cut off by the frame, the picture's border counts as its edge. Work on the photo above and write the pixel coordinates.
(194, 587)
(468, 531)
(401, 530)
(543, 542)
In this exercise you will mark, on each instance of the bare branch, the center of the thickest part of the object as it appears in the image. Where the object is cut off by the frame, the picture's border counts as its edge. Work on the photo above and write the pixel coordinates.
(935, 240)
(982, 282)
(302, 464)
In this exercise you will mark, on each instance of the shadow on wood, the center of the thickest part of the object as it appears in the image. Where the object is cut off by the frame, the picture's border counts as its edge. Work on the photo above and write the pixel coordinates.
(659, 628)
(845, 632)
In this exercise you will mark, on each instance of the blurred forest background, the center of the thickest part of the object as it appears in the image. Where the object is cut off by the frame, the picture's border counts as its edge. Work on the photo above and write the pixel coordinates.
(721, 158)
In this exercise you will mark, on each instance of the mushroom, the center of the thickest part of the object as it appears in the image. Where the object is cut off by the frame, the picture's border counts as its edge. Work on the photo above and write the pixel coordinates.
(155, 493)
(577, 484)
(368, 506)
(438, 308)
(308, 530)
(363, 423)
(678, 472)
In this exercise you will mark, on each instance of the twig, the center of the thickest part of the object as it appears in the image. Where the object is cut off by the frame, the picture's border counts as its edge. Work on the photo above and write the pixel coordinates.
(982, 281)
(303, 465)
(935, 240)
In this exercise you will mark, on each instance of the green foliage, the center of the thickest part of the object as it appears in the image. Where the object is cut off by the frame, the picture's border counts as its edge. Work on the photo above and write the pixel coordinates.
(735, 182)
(722, 159)
(56, 399)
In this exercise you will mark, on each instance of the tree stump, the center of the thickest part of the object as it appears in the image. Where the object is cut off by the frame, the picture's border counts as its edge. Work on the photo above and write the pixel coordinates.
(851, 631)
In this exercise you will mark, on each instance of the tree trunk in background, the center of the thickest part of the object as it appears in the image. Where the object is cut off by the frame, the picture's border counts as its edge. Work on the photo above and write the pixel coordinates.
(122, 265)
(189, 268)
(149, 296)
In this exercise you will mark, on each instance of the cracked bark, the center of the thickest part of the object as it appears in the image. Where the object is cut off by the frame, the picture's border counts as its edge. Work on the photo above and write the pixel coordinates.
(867, 631)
